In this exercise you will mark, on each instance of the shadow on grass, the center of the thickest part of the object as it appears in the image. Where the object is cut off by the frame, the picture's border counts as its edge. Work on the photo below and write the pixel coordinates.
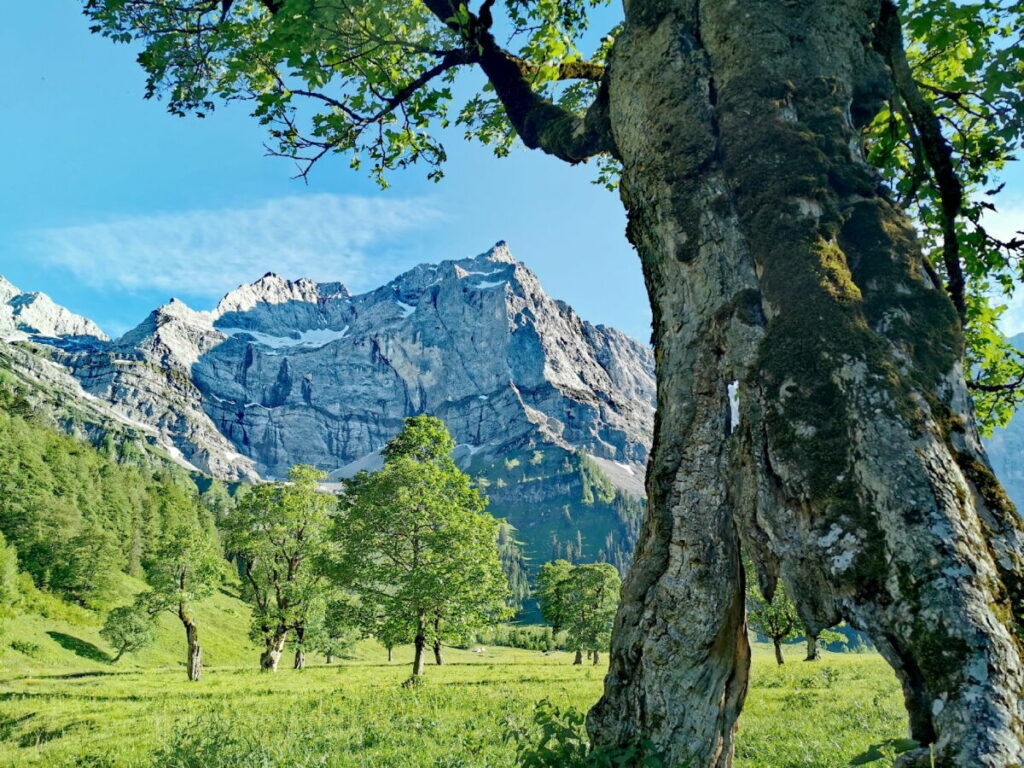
(79, 647)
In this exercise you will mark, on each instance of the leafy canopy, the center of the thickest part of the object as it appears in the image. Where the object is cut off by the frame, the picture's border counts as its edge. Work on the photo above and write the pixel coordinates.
(418, 547)
(129, 628)
(279, 533)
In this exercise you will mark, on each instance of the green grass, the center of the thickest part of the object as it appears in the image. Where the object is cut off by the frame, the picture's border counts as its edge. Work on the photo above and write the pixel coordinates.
(58, 636)
(804, 715)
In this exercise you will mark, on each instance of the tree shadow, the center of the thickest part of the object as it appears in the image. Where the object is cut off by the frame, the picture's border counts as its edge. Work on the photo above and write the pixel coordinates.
(80, 647)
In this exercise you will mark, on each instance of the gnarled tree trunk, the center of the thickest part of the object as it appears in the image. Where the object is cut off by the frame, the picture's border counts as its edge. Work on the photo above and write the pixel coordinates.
(272, 650)
(813, 652)
(300, 649)
(810, 391)
(779, 658)
(419, 644)
(194, 659)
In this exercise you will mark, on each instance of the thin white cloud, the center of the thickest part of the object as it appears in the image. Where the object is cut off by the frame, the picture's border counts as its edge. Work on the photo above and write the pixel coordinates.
(206, 253)
(1006, 224)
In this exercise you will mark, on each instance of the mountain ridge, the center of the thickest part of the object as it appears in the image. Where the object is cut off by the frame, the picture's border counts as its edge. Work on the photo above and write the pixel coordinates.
(297, 371)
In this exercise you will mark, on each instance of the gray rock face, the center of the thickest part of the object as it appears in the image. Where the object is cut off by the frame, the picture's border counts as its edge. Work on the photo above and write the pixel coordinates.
(284, 372)
(27, 315)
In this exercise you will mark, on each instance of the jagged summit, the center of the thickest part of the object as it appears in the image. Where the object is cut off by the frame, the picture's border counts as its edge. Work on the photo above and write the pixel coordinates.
(295, 371)
(27, 315)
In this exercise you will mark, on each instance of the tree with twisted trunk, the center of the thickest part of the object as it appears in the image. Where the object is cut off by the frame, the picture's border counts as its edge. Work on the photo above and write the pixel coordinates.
(811, 356)
(278, 532)
(185, 570)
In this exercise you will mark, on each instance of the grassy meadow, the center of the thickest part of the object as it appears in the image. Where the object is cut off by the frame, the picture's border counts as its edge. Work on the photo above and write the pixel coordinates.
(64, 704)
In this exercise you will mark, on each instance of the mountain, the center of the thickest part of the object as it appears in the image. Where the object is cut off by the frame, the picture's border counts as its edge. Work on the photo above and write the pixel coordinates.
(28, 315)
(1006, 449)
(552, 414)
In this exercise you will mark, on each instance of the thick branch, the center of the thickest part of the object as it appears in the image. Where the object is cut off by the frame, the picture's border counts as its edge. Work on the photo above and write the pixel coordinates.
(540, 123)
(933, 145)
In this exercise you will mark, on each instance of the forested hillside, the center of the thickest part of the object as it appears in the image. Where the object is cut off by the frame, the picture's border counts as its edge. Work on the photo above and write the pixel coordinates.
(79, 516)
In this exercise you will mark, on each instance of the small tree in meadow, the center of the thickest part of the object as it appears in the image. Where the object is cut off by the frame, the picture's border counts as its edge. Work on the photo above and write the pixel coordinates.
(775, 619)
(582, 600)
(186, 569)
(594, 590)
(334, 631)
(553, 592)
(418, 546)
(278, 532)
(129, 628)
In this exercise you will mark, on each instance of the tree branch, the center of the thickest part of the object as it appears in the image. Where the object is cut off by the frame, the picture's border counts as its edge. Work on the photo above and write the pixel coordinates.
(933, 145)
(539, 123)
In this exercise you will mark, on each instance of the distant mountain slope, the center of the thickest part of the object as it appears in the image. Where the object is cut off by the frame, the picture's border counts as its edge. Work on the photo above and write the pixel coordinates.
(1006, 450)
(554, 413)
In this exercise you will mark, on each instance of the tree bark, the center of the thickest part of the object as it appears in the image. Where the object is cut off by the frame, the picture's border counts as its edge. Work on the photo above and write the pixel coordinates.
(579, 656)
(300, 649)
(438, 656)
(194, 661)
(779, 272)
(597, 658)
(391, 653)
(779, 658)
(417, 663)
(273, 648)
(329, 658)
(813, 651)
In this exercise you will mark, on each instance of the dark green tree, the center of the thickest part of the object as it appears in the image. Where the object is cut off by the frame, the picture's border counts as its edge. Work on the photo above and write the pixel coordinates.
(10, 592)
(554, 593)
(129, 628)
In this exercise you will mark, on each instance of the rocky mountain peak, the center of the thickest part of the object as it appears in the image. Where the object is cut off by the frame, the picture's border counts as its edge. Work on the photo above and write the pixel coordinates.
(274, 289)
(26, 315)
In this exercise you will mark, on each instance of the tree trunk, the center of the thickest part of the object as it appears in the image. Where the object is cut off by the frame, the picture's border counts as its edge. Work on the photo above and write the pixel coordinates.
(300, 649)
(329, 657)
(597, 658)
(779, 658)
(391, 653)
(117, 658)
(194, 662)
(579, 656)
(810, 391)
(438, 657)
(417, 662)
(273, 648)
(813, 652)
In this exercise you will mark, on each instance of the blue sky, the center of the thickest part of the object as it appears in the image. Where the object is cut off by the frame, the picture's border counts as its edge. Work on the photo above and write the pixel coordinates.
(112, 206)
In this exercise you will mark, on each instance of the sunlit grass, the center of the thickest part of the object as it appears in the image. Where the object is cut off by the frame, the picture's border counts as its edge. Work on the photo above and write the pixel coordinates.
(804, 715)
